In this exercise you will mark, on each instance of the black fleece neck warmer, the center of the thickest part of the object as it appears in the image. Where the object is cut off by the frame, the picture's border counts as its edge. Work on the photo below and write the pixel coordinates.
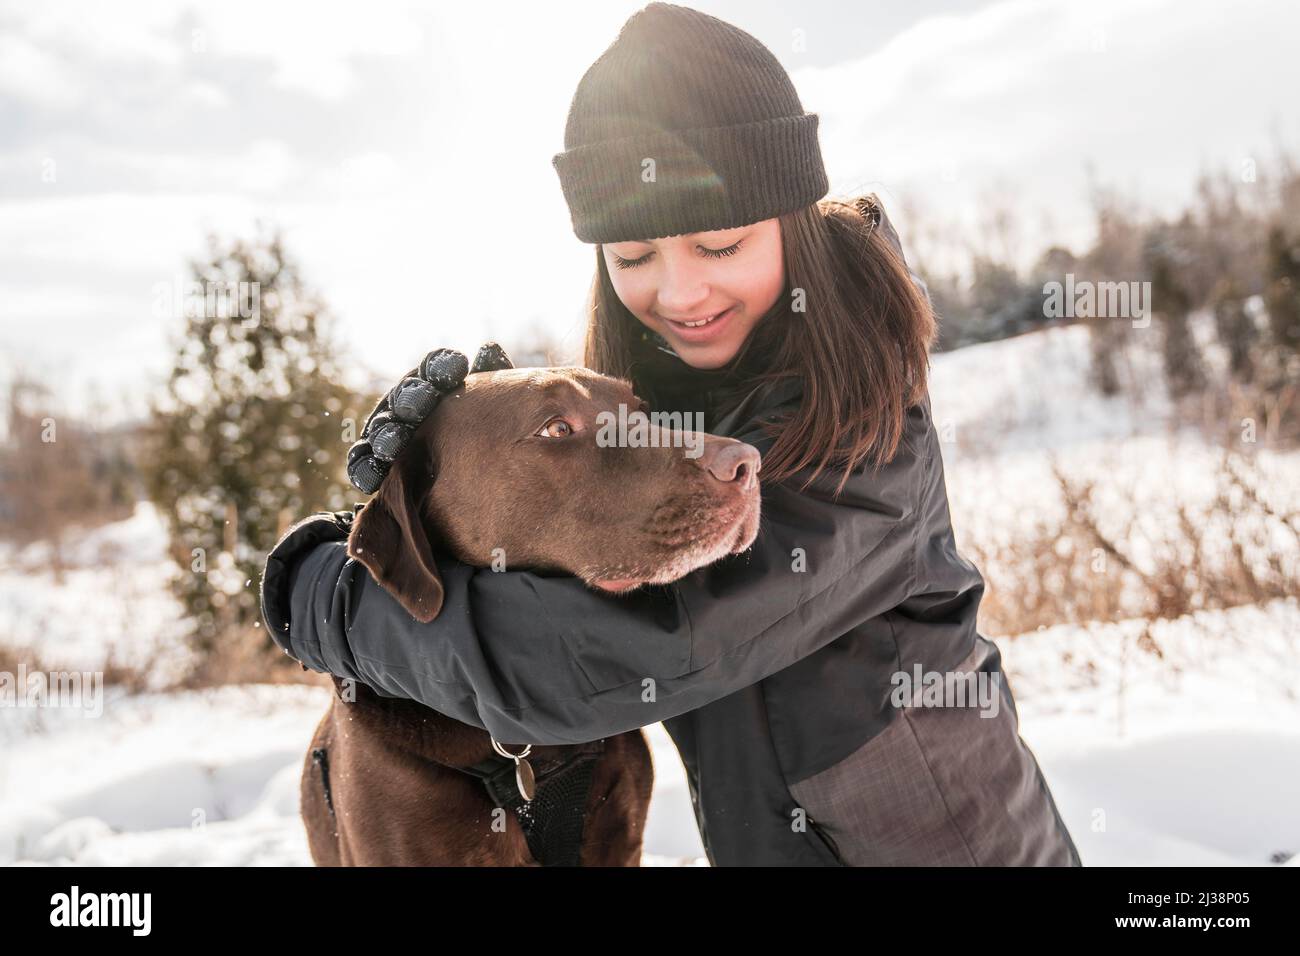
(665, 380)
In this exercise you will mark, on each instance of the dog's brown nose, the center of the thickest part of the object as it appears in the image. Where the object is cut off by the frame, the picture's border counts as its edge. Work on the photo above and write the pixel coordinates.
(729, 460)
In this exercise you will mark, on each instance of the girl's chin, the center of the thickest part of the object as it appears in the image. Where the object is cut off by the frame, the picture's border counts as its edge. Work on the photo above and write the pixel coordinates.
(709, 354)
(706, 364)
(705, 356)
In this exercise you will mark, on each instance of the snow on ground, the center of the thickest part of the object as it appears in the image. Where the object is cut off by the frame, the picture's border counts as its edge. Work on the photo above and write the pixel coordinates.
(1005, 411)
(113, 602)
(1189, 757)
(1147, 765)
(1032, 394)
(205, 778)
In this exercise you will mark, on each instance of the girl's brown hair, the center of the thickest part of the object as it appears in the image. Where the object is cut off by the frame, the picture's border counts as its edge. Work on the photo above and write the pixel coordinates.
(860, 344)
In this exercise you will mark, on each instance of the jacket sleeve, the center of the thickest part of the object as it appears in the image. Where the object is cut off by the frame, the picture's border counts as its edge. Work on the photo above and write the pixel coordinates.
(540, 658)
(536, 657)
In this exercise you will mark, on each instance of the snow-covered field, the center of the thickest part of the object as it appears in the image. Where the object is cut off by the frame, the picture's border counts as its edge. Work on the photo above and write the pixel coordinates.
(1191, 756)
(113, 603)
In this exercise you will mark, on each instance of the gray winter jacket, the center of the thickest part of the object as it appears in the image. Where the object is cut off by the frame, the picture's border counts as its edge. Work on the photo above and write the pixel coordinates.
(773, 670)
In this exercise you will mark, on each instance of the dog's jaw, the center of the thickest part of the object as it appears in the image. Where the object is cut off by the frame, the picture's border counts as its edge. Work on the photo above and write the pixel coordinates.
(617, 585)
(738, 540)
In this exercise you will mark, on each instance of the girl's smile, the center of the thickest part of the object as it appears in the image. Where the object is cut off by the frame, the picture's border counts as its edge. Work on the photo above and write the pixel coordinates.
(703, 330)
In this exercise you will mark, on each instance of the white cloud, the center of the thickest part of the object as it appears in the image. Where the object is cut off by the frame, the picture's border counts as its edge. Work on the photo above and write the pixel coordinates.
(312, 49)
(29, 74)
(1018, 100)
(208, 95)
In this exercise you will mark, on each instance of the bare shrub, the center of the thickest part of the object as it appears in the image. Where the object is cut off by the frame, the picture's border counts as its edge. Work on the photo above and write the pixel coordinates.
(58, 473)
(245, 656)
(1239, 546)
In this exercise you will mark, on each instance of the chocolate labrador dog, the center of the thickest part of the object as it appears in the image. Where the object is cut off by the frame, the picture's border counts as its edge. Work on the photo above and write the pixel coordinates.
(514, 460)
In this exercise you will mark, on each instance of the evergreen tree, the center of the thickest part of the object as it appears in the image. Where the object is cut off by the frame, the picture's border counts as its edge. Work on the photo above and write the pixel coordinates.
(1235, 328)
(1184, 371)
(1282, 298)
(251, 433)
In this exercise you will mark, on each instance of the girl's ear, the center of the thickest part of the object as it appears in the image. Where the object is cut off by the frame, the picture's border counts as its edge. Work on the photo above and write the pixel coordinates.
(389, 537)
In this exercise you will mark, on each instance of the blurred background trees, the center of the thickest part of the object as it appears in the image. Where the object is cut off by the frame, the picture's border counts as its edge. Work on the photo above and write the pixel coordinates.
(58, 473)
(250, 435)
(1225, 294)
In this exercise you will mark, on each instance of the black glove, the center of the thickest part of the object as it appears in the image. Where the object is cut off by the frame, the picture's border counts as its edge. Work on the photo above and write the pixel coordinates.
(399, 413)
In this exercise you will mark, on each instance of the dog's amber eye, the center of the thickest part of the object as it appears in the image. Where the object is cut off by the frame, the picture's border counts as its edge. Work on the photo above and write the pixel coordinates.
(556, 428)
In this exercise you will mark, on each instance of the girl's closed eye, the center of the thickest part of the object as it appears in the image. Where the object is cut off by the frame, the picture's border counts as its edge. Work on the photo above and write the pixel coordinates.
(731, 250)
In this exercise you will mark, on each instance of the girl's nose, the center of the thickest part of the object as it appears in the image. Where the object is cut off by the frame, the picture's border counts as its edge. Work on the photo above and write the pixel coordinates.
(682, 288)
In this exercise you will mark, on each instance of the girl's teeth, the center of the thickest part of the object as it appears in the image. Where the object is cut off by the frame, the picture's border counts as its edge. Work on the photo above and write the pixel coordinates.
(696, 325)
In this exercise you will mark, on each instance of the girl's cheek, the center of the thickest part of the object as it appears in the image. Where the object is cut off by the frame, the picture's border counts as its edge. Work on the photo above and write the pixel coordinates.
(637, 294)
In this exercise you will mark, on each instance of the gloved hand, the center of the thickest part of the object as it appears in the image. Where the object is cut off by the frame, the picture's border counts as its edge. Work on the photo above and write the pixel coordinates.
(401, 411)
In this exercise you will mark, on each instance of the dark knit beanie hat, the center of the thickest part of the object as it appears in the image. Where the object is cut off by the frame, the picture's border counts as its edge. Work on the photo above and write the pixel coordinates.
(685, 124)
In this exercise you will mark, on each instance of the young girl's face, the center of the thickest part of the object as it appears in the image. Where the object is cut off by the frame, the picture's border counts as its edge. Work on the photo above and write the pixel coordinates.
(730, 276)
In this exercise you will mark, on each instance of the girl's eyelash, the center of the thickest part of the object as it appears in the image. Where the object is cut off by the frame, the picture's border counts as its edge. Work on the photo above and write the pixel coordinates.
(731, 250)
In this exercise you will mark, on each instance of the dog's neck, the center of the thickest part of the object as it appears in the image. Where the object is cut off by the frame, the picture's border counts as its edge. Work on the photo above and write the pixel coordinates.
(411, 728)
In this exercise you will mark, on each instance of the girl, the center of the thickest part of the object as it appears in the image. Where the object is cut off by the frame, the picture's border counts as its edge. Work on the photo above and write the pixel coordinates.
(726, 284)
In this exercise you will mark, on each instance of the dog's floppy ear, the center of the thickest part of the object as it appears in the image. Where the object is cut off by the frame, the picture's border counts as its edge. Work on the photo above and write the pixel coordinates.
(389, 538)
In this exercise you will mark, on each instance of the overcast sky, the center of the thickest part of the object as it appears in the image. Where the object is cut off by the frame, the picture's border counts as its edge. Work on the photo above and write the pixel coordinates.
(406, 149)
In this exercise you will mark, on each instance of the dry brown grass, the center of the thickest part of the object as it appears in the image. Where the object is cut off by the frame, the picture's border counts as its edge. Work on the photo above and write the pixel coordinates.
(1239, 547)
(116, 673)
(246, 656)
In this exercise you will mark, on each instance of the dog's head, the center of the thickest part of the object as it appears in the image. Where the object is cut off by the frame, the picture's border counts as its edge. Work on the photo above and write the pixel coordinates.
(519, 468)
